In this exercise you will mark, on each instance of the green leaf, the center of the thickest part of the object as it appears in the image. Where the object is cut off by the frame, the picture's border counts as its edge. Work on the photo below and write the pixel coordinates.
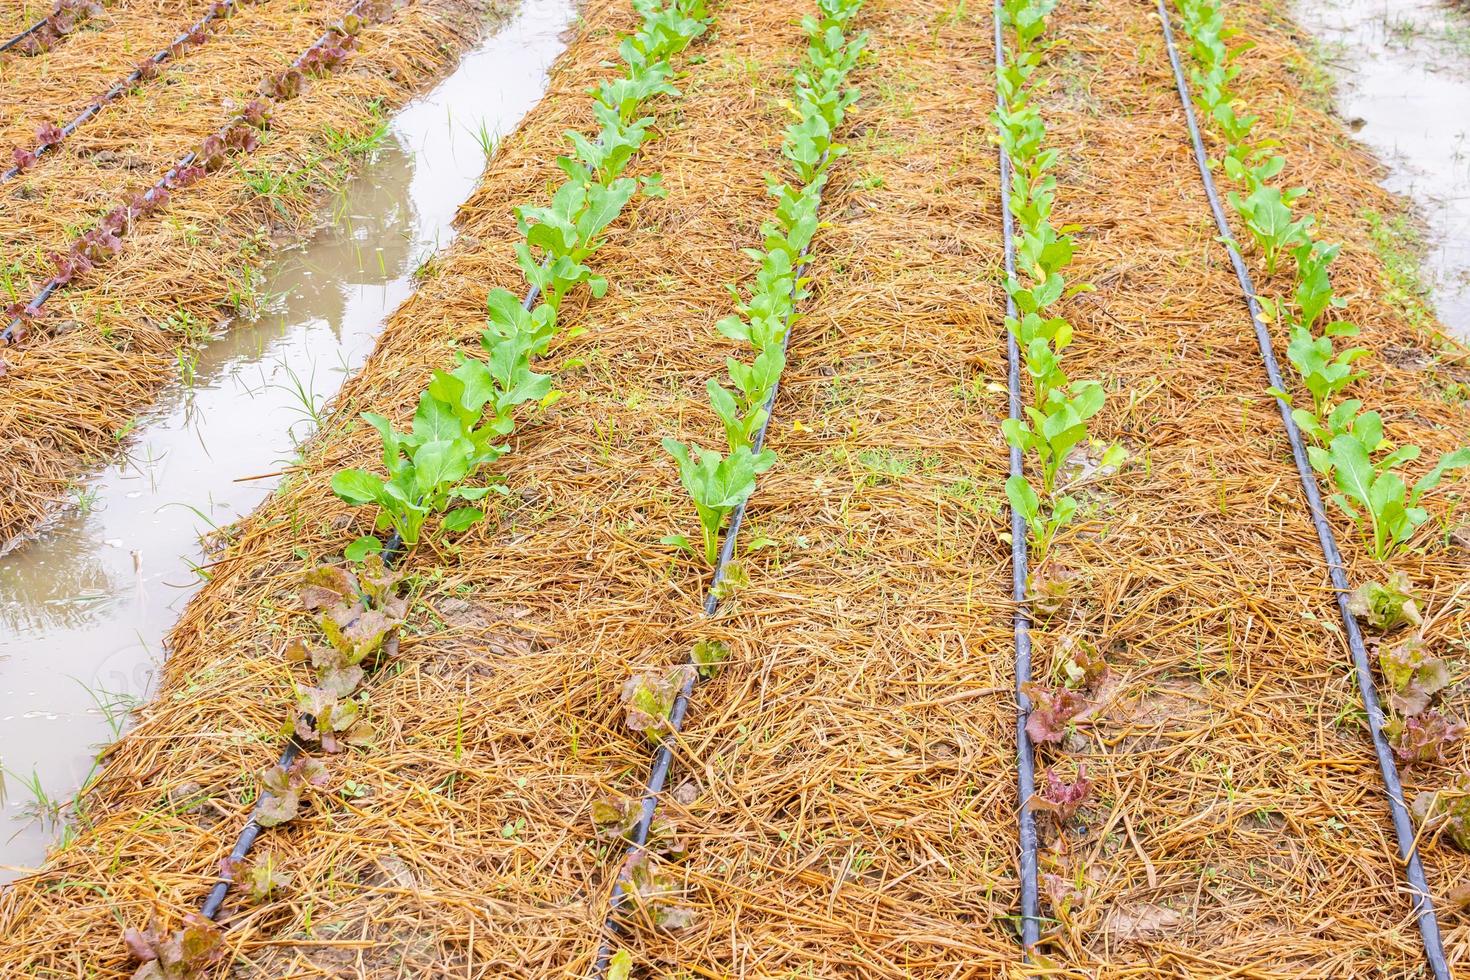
(462, 517)
(357, 486)
(1023, 499)
(362, 547)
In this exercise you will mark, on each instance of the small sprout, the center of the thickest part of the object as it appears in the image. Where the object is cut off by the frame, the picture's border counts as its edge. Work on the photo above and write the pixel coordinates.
(281, 789)
(614, 820)
(1063, 893)
(260, 878)
(1424, 737)
(1447, 811)
(654, 894)
(1415, 676)
(649, 698)
(734, 578)
(709, 656)
(185, 955)
(1386, 606)
(1062, 799)
(1050, 586)
(1084, 665)
(334, 722)
(1051, 710)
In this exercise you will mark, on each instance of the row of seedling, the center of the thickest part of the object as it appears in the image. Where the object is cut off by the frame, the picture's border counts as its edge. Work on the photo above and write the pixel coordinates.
(241, 133)
(49, 135)
(1350, 449)
(464, 419)
(1348, 446)
(1054, 431)
(1052, 437)
(720, 482)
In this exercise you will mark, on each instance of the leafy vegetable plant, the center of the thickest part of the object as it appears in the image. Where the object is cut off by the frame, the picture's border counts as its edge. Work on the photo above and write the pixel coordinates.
(648, 698)
(281, 788)
(1447, 812)
(1055, 422)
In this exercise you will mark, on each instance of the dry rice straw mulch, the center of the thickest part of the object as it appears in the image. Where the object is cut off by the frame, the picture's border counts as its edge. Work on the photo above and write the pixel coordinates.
(846, 786)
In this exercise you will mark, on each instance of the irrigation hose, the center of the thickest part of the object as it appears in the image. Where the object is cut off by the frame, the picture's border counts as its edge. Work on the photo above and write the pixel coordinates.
(1021, 618)
(39, 300)
(1403, 826)
(23, 35)
(126, 84)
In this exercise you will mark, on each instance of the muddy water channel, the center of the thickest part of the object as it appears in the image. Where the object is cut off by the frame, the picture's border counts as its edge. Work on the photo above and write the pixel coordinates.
(84, 609)
(1403, 70)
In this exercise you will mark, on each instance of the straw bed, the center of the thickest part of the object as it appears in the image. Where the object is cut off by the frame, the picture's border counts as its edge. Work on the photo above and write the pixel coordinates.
(104, 347)
(54, 88)
(17, 16)
(846, 786)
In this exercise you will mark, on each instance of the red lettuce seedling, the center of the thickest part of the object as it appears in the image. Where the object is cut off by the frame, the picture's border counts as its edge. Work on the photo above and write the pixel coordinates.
(1062, 799)
(281, 789)
(1051, 710)
(1414, 675)
(1447, 810)
(1084, 665)
(649, 697)
(709, 656)
(1063, 893)
(654, 894)
(185, 955)
(1050, 586)
(259, 878)
(614, 820)
(334, 722)
(1386, 606)
(1424, 737)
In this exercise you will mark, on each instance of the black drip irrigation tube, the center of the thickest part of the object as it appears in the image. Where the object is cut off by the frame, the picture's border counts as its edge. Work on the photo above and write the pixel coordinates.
(663, 756)
(131, 79)
(1021, 618)
(39, 300)
(23, 35)
(393, 552)
(1403, 826)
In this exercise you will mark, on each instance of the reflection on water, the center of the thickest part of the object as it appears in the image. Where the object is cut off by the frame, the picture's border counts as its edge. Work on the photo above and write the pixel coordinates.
(1403, 68)
(84, 609)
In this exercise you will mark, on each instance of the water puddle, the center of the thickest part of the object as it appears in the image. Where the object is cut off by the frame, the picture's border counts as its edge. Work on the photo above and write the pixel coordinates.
(1403, 71)
(84, 609)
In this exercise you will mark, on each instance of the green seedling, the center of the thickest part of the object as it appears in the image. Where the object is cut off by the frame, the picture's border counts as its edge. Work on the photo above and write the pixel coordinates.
(1052, 430)
(1266, 213)
(281, 789)
(1373, 495)
(1042, 523)
(717, 484)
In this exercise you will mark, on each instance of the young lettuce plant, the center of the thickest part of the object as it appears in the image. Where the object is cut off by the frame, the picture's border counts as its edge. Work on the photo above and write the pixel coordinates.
(1042, 524)
(1374, 496)
(717, 484)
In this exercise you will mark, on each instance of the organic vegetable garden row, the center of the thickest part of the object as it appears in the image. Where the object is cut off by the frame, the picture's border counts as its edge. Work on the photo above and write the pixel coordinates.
(521, 744)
